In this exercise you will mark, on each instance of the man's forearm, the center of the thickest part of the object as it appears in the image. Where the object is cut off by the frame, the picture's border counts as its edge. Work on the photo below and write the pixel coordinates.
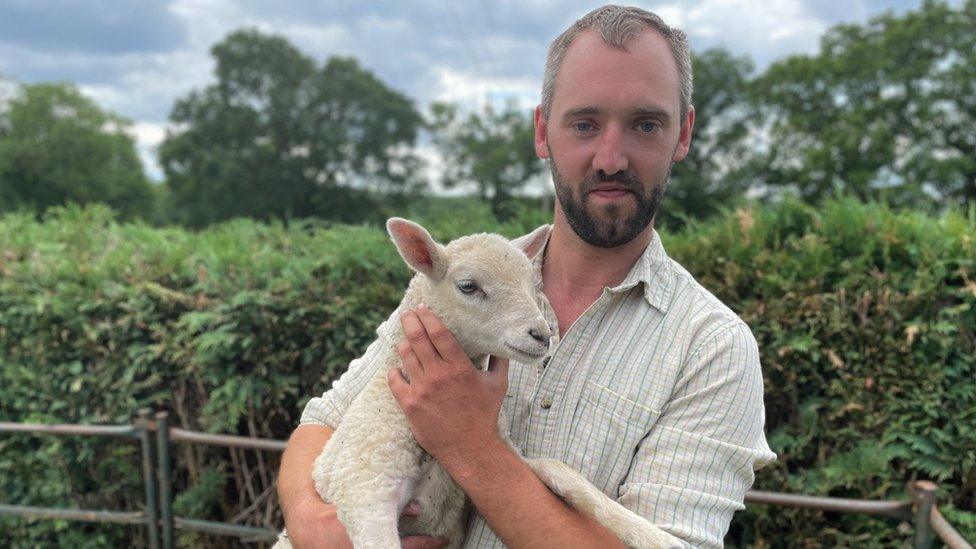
(295, 484)
(519, 507)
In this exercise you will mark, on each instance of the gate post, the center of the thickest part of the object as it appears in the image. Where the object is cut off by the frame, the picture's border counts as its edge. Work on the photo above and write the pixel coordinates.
(165, 484)
(923, 494)
(149, 477)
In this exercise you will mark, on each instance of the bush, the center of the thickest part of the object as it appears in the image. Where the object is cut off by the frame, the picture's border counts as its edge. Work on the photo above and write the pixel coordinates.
(864, 317)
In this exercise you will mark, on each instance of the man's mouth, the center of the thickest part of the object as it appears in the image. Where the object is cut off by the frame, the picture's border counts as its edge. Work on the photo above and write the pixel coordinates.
(610, 192)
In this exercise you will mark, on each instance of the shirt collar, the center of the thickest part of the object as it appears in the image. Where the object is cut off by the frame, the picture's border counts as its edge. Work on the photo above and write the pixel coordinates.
(652, 269)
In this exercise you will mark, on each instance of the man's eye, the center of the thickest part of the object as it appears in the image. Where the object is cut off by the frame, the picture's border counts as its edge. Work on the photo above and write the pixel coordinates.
(647, 126)
(583, 126)
(467, 286)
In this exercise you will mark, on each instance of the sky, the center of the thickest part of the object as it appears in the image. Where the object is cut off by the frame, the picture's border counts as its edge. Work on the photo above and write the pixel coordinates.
(136, 58)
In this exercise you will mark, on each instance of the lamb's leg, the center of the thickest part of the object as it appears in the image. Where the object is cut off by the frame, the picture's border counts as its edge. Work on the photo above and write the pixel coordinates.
(372, 522)
(629, 527)
(442, 506)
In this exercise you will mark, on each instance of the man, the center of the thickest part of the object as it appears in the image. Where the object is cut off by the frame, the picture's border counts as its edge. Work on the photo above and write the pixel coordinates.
(654, 391)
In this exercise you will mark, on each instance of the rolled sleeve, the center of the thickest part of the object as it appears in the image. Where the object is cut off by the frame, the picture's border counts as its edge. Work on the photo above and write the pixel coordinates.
(329, 408)
(692, 470)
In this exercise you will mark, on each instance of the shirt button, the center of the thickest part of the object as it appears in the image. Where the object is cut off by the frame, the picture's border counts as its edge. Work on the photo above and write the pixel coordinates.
(546, 403)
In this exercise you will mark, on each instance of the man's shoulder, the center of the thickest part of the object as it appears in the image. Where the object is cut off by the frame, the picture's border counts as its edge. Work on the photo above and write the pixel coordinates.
(698, 309)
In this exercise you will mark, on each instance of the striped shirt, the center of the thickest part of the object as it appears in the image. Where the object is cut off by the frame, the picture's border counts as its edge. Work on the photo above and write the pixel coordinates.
(655, 394)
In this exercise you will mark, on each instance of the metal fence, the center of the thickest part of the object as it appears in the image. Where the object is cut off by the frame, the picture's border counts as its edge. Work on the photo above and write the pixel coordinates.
(161, 525)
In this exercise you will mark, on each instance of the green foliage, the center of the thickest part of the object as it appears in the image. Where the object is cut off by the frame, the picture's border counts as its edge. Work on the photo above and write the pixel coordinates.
(864, 317)
(197, 501)
(277, 137)
(885, 110)
(57, 146)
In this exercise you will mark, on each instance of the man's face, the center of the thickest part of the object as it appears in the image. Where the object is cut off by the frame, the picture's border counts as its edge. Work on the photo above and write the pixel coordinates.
(613, 133)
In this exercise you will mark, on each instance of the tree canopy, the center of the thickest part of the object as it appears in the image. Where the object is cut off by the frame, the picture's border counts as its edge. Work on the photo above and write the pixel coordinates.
(885, 110)
(279, 137)
(58, 146)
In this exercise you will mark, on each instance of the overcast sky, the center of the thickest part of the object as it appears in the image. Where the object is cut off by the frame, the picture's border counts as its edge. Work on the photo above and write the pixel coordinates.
(137, 57)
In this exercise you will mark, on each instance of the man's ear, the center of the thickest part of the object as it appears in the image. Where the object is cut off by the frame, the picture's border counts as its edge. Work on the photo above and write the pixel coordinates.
(541, 137)
(417, 248)
(533, 243)
(684, 138)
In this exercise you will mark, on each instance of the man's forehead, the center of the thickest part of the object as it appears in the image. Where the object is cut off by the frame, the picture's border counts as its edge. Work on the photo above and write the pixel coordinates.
(644, 65)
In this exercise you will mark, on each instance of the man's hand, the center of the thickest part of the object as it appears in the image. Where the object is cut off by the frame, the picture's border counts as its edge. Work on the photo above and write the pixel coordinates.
(452, 407)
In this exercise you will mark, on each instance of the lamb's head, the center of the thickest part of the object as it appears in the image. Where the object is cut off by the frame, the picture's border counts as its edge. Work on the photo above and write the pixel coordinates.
(482, 287)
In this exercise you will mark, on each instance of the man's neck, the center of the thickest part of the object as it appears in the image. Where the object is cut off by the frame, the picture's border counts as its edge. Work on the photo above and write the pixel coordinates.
(573, 267)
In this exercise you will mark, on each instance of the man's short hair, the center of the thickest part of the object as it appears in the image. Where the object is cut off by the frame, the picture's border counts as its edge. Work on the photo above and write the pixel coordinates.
(616, 25)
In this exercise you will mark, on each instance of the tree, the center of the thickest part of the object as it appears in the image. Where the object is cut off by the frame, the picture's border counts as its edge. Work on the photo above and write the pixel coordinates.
(717, 169)
(278, 137)
(492, 150)
(57, 146)
(886, 110)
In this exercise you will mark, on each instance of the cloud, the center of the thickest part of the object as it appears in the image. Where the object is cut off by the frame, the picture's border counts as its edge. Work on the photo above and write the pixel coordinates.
(472, 88)
(93, 26)
(765, 31)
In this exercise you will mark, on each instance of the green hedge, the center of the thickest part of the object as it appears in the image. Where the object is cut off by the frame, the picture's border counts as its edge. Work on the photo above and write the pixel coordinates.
(864, 317)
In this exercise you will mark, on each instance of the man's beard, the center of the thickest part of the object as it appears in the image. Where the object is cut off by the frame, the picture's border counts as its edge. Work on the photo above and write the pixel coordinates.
(611, 229)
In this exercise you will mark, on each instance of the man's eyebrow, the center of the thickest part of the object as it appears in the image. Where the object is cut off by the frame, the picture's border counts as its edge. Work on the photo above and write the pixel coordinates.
(591, 110)
(651, 111)
(586, 110)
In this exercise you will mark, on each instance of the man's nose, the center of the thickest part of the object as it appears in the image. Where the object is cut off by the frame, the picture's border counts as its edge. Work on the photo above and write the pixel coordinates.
(610, 155)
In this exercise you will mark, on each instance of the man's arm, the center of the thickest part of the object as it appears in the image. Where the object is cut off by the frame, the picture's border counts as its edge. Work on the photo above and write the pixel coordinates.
(310, 521)
(519, 507)
(691, 472)
(453, 411)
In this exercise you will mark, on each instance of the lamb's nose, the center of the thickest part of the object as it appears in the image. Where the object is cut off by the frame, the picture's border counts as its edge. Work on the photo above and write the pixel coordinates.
(538, 336)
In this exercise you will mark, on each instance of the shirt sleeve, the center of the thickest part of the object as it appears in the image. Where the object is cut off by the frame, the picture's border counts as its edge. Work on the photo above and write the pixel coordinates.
(692, 470)
(329, 408)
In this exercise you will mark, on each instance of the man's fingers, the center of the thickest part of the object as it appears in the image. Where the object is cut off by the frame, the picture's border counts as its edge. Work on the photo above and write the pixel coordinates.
(398, 385)
(418, 337)
(422, 542)
(442, 338)
(411, 364)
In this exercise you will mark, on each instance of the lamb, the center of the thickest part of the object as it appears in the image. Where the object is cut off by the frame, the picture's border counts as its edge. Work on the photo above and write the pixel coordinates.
(484, 289)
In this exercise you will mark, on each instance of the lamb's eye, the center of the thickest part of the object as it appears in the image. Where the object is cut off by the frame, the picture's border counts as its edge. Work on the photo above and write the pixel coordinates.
(467, 286)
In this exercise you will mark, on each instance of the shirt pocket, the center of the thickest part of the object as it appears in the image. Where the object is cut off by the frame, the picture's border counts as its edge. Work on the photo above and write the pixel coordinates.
(607, 427)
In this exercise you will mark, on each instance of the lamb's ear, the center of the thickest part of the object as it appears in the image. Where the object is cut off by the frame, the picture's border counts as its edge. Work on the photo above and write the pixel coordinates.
(534, 242)
(417, 247)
